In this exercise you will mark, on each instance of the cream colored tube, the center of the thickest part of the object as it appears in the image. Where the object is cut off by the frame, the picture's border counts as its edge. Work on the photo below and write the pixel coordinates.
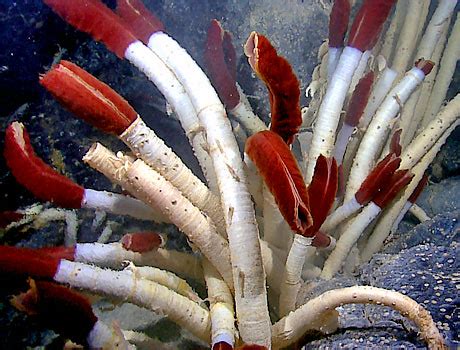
(277, 232)
(221, 307)
(114, 255)
(348, 239)
(167, 279)
(292, 327)
(126, 286)
(248, 274)
(408, 37)
(152, 150)
(292, 279)
(409, 126)
(154, 190)
(437, 25)
(244, 113)
(446, 71)
(430, 134)
(390, 38)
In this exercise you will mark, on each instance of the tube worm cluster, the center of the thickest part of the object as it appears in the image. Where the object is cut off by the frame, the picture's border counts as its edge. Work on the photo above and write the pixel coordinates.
(236, 261)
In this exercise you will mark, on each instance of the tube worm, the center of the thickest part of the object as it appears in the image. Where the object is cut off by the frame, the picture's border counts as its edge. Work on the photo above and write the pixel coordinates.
(221, 65)
(431, 133)
(376, 133)
(417, 109)
(280, 171)
(446, 71)
(119, 284)
(356, 227)
(391, 34)
(142, 242)
(167, 279)
(250, 293)
(355, 110)
(338, 25)
(384, 225)
(436, 27)
(407, 38)
(380, 90)
(48, 185)
(60, 308)
(316, 312)
(96, 103)
(8, 216)
(153, 189)
(223, 332)
(220, 58)
(322, 189)
(114, 255)
(374, 182)
(282, 85)
(364, 31)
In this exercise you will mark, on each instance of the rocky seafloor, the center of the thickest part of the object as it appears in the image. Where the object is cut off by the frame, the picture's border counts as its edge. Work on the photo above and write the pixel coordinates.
(421, 260)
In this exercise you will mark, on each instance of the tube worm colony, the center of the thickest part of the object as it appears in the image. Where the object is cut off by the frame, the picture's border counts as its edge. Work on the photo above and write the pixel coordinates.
(302, 208)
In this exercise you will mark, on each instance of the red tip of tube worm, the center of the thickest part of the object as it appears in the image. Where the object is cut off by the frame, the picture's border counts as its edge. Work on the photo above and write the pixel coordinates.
(88, 98)
(395, 145)
(96, 19)
(220, 67)
(338, 22)
(282, 175)
(61, 252)
(359, 99)
(322, 191)
(8, 216)
(368, 23)
(321, 240)
(378, 178)
(229, 53)
(282, 84)
(397, 182)
(418, 189)
(31, 172)
(251, 347)
(59, 307)
(27, 262)
(141, 242)
(424, 65)
(222, 346)
(140, 21)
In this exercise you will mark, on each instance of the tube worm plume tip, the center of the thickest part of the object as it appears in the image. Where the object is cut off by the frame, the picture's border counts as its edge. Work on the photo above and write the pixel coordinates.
(88, 98)
(378, 178)
(359, 99)
(27, 262)
(425, 66)
(282, 85)
(141, 242)
(397, 182)
(141, 22)
(96, 19)
(220, 58)
(368, 23)
(34, 174)
(280, 172)
(418, 189)
(338, 22)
